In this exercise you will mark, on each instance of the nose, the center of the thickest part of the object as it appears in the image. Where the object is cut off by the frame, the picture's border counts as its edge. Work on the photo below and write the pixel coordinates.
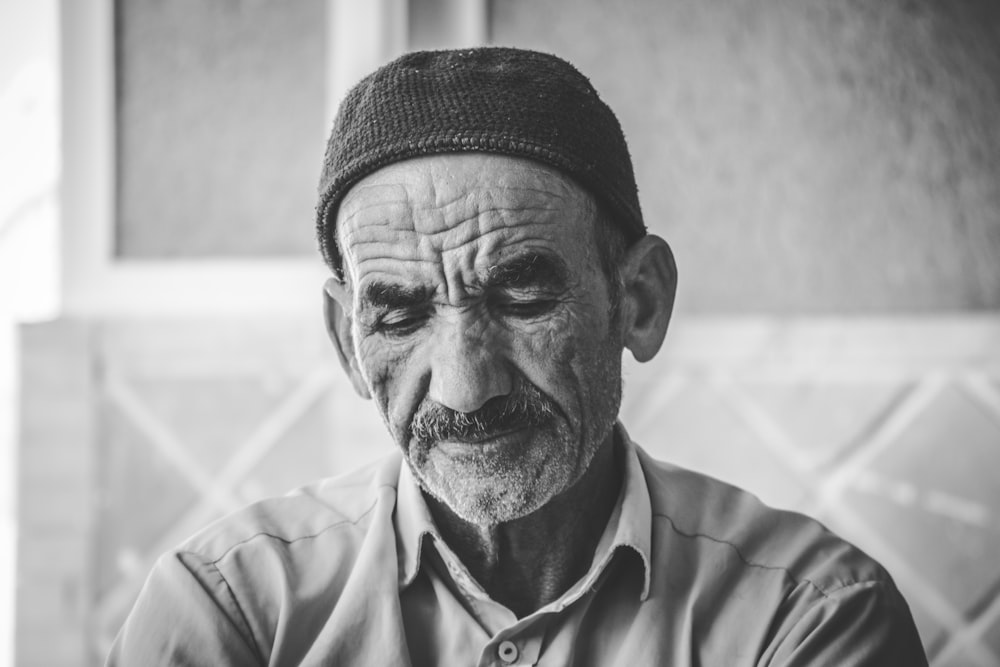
(468, 366)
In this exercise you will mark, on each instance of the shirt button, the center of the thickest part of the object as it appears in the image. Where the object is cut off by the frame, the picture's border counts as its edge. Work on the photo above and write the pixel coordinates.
(507, 651)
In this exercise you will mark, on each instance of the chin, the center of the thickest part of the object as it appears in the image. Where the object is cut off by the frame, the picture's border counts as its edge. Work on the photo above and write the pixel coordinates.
(492, 506)
(489, 495)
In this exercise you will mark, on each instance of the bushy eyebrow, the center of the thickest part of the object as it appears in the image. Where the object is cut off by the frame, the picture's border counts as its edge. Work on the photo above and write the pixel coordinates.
(380, 294)
(530, 270)
(538, 270)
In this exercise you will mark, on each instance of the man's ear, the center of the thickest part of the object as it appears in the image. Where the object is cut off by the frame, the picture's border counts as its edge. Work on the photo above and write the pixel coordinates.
(336, 311)
(650, 282)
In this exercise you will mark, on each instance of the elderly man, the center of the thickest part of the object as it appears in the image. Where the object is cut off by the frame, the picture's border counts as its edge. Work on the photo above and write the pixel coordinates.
(479, 213)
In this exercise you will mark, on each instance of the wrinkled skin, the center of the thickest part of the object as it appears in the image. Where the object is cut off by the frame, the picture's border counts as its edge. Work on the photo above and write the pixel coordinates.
(473, 282)
(476, 314)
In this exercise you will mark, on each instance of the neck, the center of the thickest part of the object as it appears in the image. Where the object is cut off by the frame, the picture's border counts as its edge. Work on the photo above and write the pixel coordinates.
(526, 563)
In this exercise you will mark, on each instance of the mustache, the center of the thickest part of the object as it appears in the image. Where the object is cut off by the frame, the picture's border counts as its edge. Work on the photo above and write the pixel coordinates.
(523, 407)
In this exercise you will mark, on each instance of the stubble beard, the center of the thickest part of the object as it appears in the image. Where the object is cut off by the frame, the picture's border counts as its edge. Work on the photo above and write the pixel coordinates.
(490, 485)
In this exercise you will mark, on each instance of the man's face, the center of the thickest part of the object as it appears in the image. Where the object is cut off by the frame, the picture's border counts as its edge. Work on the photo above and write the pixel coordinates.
(481, 326)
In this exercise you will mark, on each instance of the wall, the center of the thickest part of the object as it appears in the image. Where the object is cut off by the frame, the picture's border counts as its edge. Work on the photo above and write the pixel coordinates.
(834, 157)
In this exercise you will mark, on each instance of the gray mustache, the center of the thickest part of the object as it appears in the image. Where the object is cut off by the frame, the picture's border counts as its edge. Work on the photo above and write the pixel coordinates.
(525, 406)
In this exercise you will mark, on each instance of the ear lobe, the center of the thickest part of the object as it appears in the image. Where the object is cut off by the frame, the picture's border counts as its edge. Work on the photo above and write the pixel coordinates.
(336, 312)
(650, 279)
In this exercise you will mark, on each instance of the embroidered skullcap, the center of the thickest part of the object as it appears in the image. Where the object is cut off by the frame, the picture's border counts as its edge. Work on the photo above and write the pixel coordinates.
(493, 100)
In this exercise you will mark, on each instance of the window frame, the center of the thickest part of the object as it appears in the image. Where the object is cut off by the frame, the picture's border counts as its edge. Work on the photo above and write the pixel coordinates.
(360, 36)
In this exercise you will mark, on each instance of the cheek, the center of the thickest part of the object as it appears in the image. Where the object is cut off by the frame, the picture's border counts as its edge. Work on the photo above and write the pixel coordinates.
(572, 359)
(385, 367)
(569, 334)
(549, 355)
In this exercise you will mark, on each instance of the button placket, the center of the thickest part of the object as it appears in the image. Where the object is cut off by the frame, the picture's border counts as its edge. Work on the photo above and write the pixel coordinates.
(507, 650)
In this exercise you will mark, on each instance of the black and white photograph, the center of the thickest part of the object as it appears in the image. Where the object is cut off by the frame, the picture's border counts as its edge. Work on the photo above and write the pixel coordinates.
(545, 333)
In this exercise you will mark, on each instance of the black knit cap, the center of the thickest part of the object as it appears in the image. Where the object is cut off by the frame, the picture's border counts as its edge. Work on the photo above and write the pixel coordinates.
(492, 100)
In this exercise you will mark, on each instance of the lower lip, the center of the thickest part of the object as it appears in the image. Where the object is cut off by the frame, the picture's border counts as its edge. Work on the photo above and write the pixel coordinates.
(496, 442)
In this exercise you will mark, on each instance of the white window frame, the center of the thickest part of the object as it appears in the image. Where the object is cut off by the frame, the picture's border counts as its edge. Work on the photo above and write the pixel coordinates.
(361, 34)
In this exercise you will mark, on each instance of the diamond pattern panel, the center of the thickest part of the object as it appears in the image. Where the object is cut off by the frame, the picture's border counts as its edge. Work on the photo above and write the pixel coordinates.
(698, 429)
(964, 659)
(183, 449)
(927, 495)
(211, 416)
(824, 419)
(992, 636)
(900, 453)
(302, 455)
(937, 547)
(141, 496)
(932, 633)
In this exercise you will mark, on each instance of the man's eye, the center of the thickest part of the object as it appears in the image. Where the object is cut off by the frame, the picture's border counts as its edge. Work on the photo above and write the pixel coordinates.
(525, 309)
(399, 324)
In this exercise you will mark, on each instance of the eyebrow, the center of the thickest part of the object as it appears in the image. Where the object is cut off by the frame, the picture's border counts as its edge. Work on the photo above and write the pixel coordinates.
(392, 295)
(536, 270)
(540, 270)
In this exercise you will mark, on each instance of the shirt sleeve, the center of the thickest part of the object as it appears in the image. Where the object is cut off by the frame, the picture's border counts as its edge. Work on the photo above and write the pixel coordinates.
(185, 615)
(863, 625)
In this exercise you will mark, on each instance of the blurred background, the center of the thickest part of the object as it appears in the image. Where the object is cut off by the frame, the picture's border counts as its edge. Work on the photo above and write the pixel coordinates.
(828, 174)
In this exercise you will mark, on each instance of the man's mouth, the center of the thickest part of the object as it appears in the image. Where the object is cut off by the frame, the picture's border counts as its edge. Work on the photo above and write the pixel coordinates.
(497, 437)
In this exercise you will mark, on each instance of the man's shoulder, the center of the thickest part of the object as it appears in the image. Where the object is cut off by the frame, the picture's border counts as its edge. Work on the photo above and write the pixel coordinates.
(259, 583)
(343, 503)
(708, 514)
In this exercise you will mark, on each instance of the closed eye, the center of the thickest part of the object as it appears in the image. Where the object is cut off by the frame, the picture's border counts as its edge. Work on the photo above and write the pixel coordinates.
(400, 322)
(523, 308)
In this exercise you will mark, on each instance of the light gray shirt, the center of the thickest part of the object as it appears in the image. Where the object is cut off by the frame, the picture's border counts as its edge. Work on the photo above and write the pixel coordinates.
(352, 571)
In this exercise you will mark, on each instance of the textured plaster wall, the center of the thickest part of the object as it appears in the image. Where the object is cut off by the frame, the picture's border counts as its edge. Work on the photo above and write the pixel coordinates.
(802, 156)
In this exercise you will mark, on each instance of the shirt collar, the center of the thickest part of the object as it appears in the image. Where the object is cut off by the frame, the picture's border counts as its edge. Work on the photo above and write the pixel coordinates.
(413, 521)
(630, 524)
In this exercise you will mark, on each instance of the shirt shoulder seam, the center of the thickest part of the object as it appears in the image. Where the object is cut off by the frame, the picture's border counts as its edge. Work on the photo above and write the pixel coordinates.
(264, 533)
(825, 594)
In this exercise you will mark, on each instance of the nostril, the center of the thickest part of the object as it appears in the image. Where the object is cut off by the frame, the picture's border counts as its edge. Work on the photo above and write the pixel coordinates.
(465, 383)
(467, 366)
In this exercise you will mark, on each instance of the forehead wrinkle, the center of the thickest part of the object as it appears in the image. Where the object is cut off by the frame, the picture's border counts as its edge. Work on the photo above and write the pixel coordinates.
(454, 266)
(565, 191)
(488, 224)
(482, 205)
(484, 226)
(428, 210)
(366, 197)
(365, 206)
(479, 213)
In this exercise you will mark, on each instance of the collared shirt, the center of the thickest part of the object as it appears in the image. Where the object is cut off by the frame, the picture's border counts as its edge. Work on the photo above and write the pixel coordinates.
(352, 571)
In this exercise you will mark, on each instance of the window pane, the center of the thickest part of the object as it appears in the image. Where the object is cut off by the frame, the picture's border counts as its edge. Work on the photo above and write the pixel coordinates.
(220, 126)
